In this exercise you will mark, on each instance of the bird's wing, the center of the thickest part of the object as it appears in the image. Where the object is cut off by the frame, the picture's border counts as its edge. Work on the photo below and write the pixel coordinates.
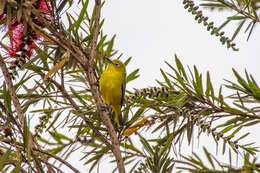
(120, 118)
(123, 91)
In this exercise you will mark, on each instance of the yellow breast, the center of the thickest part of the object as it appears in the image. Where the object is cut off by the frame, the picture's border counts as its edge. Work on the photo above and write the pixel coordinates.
(110, 87)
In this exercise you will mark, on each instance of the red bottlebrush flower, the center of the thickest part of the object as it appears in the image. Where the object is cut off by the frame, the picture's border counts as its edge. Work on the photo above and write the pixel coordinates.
(41, 4)
(16, 31)
(44, 6)
(22, 45)
(11, 53)
(31, 47)
(2, 16)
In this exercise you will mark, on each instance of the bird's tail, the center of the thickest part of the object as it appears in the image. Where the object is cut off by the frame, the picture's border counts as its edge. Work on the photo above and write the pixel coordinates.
(120, 119)
(118, 115)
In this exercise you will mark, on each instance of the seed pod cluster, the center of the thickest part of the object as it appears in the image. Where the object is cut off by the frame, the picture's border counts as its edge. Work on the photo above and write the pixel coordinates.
(153, 92)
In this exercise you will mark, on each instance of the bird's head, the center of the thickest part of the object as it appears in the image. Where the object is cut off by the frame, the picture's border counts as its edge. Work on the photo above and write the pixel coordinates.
(116, 65)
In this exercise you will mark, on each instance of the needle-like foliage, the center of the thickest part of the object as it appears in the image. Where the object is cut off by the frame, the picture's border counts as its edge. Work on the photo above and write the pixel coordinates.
(50, 107)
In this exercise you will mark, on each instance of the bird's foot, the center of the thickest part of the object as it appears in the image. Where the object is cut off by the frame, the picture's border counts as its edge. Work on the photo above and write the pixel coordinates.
(104, 107)
(96, 83)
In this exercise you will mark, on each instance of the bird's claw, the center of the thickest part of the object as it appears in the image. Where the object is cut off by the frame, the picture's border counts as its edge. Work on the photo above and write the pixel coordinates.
(104, 107)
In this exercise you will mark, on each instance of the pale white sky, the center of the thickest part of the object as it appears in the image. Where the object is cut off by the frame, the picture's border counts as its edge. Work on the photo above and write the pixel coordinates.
(153, 31)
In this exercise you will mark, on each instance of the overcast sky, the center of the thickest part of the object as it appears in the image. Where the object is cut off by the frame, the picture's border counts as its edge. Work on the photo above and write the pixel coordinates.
(152, 31)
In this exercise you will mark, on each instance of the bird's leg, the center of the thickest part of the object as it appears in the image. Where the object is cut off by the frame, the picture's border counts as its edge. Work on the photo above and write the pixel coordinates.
(97, 82)
(104, 107)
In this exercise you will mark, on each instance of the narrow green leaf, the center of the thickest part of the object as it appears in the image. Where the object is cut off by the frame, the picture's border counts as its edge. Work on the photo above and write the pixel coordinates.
(62, 5)
(214, 5)
(17, 168)
(228, 128)
(198, 83)
(56, 150)
(98, 155)
(146, 145)
(167, 80)
(7, 98)
(101, 41)
(251, 30)
(131, 147)
(138, 113)
(54, 121)
(242, 137)
(233, 110)
(230, 157)
(224, 147)
(209, 157)
(166, 167)
(252, 123)
(180, 67)
(101, 24)
(220, 97)
(189, 129)
(237, 130)
(223, 25)
(236, 18)
(209, 89)
(238, 29)
(132, 76)
(199, 161)
(58, 136)
(134, 166)
(46, 141)
(110, 47)
(4, 158)
(249, 25)
(81, 15)
(78, 96)
(26, 133)
(92, 19)
(181, 81)
(127, 61)
(167, 144)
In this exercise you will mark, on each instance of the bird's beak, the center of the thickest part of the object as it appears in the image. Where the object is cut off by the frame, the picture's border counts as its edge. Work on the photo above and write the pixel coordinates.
(109, 60)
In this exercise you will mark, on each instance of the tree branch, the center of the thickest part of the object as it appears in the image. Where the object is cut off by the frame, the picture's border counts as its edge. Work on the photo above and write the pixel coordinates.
(10, 85)
(88, 63)
(59, 159)
(62, 41)
(94, 89)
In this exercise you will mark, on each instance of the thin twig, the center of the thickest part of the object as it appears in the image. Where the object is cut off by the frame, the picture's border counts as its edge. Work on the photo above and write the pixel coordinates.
(59, 159)
(15, 144)
(62, 41)
(186, 163)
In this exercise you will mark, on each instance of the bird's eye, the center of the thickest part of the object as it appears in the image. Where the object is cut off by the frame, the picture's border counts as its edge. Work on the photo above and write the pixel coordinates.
(116, 64)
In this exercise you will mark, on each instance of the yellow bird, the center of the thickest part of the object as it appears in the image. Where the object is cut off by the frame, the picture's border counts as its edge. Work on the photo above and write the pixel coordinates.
(112, 87)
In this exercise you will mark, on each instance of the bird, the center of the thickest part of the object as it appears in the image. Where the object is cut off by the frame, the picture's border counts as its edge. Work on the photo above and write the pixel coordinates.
(112, 85)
